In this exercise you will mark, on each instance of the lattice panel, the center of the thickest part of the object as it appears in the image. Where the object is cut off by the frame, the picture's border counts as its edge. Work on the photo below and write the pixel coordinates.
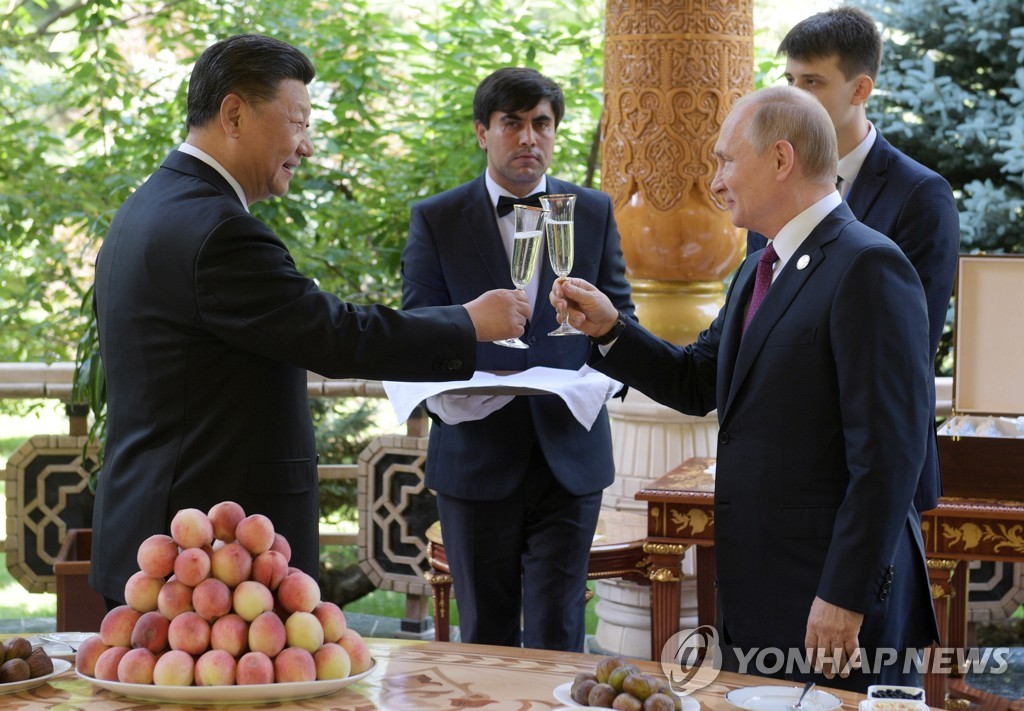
(395, 510)
(47, 494)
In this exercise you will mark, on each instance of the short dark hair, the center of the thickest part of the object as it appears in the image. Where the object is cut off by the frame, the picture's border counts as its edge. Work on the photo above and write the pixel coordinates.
(252, 66)
(846, 31)
(516, 89)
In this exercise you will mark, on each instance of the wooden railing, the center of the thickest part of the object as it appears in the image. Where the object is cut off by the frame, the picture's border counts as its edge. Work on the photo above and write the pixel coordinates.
(46, 381)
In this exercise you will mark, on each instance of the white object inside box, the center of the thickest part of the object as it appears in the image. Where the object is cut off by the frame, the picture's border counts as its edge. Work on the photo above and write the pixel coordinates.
(981, 426)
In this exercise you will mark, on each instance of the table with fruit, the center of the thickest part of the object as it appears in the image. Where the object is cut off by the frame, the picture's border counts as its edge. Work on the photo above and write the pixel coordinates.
(215, 615)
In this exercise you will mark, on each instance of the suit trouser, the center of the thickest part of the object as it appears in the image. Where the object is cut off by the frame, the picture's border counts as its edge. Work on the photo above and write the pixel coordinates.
(522, 559)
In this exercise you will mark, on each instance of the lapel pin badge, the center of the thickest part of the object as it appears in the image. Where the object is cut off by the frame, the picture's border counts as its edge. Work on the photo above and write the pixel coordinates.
(803, 262)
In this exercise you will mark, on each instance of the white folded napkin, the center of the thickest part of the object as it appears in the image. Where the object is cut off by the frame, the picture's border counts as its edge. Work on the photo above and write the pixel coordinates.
(584, 392)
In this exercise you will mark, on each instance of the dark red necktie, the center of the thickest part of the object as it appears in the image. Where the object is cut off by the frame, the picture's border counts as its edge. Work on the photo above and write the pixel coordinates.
(762, 281)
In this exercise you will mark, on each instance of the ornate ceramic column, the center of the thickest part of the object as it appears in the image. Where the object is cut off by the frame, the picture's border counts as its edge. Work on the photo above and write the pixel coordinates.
(673, 69)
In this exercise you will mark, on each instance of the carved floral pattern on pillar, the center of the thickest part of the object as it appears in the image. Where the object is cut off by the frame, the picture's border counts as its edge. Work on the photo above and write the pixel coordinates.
(673, 68)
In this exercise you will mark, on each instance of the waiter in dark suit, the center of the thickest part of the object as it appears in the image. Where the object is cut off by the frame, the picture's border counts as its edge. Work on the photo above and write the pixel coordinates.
(207, 329)
(518, 480)
(835, 55)
(818, 365)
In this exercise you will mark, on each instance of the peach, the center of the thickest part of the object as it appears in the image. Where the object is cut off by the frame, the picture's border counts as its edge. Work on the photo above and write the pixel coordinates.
(151, 632)
(252, 599)
(191, 528)
(192, 566)
(332, 619)
(267, 634)
(117, 625)
(303, 629)
(141, 591)
(294, 664)
(231, 564)
(254, 668)
(88, 652)
(156, 555)
(298, 592)
(269, 568)
(189, 632)
(255, 533)
(136, 667)
(357, 650)
(175, 598)
(225, 517)
(174, 668)
(106, 663)
(332, 662)
(282, 546)
(211, 599)
(230, 633)
(215, 668)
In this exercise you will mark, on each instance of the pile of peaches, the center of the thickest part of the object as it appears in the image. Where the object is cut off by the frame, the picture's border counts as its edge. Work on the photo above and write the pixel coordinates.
(215, 603)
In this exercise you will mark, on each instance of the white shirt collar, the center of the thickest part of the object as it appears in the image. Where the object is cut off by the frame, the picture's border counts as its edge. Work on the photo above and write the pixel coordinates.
(212, 162)
(850, 164)
(495, 191)
(794, 232)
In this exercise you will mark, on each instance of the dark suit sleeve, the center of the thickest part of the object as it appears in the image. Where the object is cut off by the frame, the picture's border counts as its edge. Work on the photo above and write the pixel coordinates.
(928, 232)
(250, 294)
(883, 368)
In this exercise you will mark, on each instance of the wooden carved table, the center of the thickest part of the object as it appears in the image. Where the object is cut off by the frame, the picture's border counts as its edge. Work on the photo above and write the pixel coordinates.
(416, 676)
(680, 514)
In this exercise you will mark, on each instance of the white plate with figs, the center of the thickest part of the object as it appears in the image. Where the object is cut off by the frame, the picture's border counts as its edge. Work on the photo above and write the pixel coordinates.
(12, 687)
(255, 693)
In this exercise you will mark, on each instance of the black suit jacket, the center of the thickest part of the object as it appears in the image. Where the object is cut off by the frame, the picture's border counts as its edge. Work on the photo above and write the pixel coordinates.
(206, 331)
(455, 253)
(915, 208)
(824, 414)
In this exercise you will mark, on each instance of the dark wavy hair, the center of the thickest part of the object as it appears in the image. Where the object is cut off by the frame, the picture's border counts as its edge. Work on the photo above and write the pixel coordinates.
(846, 31)
(516, 89)
(252, 66)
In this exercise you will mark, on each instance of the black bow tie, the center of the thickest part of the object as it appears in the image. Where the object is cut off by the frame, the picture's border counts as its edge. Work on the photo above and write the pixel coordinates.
(505, 202)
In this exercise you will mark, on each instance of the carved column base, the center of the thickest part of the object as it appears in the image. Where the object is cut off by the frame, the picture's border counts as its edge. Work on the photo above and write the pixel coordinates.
(677, 310)
(648, 440)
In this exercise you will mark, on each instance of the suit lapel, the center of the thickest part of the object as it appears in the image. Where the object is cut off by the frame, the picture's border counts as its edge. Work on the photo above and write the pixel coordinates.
(870, 180)
(481, 227)
(780, 297)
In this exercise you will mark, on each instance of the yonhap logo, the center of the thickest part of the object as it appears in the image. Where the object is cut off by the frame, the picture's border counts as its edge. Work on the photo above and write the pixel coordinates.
(691, 659)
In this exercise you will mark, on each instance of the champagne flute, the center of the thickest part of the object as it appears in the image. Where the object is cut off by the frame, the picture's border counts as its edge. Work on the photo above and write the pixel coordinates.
(526, 238)
(559, 227)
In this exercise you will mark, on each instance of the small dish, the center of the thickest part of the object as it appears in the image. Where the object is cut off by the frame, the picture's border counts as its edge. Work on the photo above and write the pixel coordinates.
(892, 705)
(781, 698)
(893, 692)
(12, 687)
(563, 695)
(60, 645)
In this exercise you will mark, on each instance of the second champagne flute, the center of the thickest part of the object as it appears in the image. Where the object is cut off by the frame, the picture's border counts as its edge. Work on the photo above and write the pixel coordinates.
(559, 227)
(526, 239)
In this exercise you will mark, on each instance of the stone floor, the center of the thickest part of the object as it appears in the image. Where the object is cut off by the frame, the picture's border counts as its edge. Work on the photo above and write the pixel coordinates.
(1009, 684)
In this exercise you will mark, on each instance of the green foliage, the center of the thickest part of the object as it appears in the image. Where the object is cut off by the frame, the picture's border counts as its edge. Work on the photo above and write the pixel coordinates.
(951, 94)
(343, 430)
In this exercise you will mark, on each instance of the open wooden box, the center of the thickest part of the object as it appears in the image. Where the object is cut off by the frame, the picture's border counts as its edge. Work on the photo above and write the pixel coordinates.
(988, 380)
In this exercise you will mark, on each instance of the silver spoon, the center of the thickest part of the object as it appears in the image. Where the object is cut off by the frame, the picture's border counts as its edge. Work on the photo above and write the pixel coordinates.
(57, 640)
(807, 687)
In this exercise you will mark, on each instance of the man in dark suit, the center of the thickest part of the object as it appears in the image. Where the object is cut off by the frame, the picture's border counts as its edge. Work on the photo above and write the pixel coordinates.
(518, 487)
(207, 329)
(822, 404)
(835, 55)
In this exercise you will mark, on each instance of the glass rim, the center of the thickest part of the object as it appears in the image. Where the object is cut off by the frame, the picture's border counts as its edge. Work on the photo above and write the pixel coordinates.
(532, 208)
(558, 195)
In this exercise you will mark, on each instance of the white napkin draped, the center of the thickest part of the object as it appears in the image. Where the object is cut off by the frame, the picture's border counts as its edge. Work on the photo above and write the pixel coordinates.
(584, 392)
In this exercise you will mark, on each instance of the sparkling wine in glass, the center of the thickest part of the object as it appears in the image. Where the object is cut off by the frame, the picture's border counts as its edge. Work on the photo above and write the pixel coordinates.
(526, 239)
(559, 226)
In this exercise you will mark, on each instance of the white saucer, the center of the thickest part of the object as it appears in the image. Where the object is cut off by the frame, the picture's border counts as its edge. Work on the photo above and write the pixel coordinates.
(563, 695)
(12, 687)
(780, 698)
(60, 645)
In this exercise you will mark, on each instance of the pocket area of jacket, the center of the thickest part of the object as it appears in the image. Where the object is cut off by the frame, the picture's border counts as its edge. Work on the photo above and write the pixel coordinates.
(290, 476)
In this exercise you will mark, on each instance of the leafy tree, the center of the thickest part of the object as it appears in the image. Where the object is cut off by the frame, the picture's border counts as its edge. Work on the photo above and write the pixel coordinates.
(951, 94)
